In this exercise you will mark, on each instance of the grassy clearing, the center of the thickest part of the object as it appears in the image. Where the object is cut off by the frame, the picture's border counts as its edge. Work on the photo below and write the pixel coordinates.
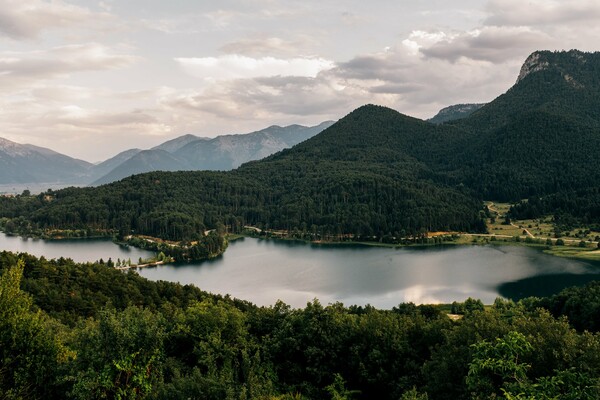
(592, 254)
(540, 228)
(577, 243)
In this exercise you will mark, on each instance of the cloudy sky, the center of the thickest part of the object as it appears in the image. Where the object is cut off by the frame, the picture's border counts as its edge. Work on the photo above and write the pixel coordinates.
(91, 78)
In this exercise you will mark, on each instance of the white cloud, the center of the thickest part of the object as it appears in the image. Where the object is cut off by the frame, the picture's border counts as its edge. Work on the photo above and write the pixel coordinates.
(221, 19)
(418, 85)
(263, 98)
(28, 19)
(418, 39)
(398, 77)
(237, 66)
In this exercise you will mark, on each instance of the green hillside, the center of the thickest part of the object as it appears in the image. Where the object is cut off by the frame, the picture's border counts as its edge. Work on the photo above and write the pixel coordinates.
(363, 176)
(374, 173)
(540, 137)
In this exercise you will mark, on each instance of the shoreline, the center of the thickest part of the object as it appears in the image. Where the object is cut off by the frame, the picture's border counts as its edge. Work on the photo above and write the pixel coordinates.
(464, 239)
(451, 239)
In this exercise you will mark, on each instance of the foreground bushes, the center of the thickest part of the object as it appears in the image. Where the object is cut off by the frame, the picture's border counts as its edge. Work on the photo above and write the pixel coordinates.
(84, 331)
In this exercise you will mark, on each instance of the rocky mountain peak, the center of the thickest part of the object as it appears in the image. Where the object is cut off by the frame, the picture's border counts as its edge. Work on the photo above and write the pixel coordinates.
(13, 149)
(567, 62)
(534, 63)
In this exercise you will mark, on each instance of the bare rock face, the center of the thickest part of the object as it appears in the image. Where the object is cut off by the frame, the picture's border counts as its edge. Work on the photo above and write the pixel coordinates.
(455, 112)
(534, 63)
(543, 60)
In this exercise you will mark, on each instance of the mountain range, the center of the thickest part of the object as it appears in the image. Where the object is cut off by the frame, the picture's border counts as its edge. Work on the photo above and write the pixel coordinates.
(24, 163)
(27, 164)
(379, 173)
(223, 153)
(21, 163)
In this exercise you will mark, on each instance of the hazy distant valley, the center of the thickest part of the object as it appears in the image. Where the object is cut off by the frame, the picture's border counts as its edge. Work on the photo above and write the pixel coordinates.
(36, 169)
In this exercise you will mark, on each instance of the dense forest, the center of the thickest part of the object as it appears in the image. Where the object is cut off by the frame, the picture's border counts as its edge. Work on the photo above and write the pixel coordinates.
(87, 331)
(375, 173)
(342, 182)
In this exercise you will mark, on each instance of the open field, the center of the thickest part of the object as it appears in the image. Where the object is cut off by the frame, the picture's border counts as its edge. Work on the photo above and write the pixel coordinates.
(578, 243)
(539, 228)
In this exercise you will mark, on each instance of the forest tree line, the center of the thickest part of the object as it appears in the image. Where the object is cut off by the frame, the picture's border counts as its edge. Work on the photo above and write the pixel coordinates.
(86, 331)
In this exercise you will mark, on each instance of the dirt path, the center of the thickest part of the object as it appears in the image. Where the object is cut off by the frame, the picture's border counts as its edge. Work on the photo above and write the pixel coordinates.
(524, 230)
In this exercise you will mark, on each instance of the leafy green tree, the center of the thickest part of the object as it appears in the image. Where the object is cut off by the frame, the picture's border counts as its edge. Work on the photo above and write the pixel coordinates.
(211, 340)
(414, 394)
(338, 390)
(499, 370)
(30, 351)
(119, 356)
(446, 369)
(498, 367)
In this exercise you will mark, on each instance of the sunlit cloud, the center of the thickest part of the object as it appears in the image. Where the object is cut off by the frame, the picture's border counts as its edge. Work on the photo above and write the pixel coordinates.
(235, 66)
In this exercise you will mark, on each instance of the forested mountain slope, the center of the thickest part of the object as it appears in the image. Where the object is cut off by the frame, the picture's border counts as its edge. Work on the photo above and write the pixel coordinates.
(542, 135)
(363, 176)
(144, 161)
(377, 172)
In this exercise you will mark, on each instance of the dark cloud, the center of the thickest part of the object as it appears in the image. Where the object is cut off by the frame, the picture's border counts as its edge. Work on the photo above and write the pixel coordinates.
(384, 66)
(493, 44)
(247, 98)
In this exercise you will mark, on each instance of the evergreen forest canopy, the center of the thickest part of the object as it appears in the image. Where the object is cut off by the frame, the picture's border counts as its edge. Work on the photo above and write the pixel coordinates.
(85, 331)
(375, 173)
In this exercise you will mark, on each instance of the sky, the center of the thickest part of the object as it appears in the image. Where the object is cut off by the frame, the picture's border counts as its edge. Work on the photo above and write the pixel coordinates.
(91, 78)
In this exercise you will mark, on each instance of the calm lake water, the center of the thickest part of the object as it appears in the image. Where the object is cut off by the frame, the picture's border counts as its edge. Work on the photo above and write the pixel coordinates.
(263, 271)
(80, 250)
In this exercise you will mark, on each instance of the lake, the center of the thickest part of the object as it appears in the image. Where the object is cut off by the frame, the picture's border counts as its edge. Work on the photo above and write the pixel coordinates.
(263, 271)
(80, 250)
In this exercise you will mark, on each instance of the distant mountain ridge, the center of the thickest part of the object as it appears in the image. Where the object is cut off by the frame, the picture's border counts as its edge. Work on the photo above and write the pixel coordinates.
(175, 144)
(29, 164)
(103, 168)
(221, 153)
(22, 163)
